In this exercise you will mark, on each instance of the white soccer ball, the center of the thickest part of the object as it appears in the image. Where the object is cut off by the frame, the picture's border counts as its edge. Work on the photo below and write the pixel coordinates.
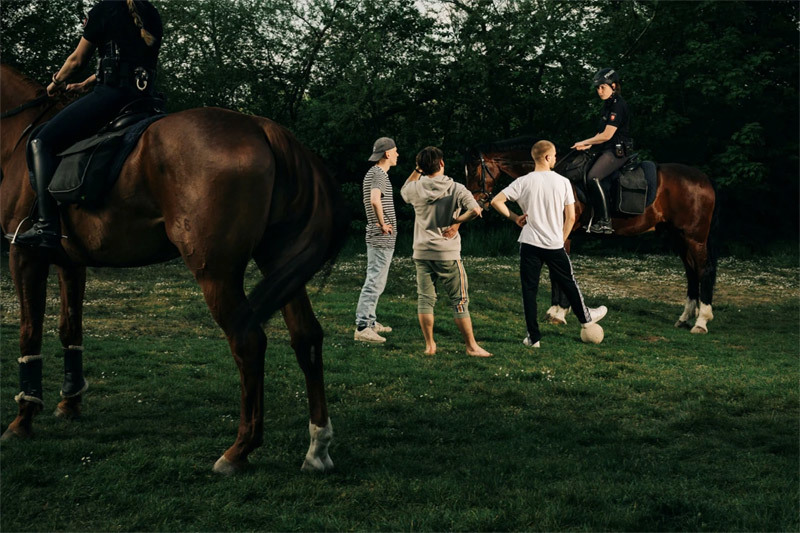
(592, 333)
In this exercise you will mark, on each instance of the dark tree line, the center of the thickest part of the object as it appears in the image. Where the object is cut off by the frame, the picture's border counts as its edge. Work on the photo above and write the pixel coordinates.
(712, 84)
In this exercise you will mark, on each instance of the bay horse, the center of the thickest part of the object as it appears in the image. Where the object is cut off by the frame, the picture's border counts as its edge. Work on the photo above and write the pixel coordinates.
(213, 187)
(685, 205)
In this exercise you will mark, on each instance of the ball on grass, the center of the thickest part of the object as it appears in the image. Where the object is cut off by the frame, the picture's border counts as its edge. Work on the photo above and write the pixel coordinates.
(593, 333)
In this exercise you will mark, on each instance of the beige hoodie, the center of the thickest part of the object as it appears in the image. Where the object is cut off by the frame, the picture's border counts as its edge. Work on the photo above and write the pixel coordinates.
(436, 201)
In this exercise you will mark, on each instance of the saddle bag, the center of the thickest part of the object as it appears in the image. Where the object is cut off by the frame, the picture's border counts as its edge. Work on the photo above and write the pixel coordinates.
(632, 192)
(77, 180)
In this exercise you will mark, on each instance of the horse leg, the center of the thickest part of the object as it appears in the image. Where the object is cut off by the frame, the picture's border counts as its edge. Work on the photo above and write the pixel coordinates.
(680, 244)
(689, 310)
(224, 294)
(706, 272)
(72, 281)
(29, 273)
(306, 334)
(559, 303)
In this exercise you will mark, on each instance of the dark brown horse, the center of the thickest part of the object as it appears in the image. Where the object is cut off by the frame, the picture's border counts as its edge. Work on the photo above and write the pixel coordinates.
(215, 188)
(684, 205)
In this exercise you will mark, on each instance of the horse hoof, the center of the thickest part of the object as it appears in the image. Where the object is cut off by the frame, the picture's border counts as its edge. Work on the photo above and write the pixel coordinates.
(317, 465)
(228, 468)
(699, 330)
(10, 434)
(66, 414)
(682, 324)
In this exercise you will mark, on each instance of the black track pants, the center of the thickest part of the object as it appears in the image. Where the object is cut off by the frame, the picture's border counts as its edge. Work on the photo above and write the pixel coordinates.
(531, 259)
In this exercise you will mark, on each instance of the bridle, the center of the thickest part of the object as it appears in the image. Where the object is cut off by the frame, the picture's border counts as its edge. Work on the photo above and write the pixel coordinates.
(486, 195)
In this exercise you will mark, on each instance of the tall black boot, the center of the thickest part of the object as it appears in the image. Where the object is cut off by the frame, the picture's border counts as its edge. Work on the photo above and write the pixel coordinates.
(46, 231)
(603, 224)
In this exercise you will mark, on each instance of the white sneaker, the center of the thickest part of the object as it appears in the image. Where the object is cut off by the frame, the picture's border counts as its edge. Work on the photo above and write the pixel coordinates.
(368, 335)
(527, 342)
(596, 315)
(380, 328)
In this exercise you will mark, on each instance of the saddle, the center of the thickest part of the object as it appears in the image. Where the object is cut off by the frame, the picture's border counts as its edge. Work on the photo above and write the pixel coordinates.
(629, 190)
(90, 168)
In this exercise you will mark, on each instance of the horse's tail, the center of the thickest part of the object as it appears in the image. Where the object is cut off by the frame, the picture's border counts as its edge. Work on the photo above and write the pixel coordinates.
(310, 230)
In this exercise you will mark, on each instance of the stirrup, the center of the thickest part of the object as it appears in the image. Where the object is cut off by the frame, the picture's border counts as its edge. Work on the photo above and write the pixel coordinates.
(36, 236)
(603, 227)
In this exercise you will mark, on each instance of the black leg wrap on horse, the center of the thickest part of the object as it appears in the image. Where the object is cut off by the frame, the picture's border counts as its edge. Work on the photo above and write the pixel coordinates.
(74, 382)
(30, 379)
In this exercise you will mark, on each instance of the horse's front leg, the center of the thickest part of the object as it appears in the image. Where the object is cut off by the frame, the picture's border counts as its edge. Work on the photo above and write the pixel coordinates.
(29, 271)
(559, 303)
(306, 334)
(705, 272)
(72, 281)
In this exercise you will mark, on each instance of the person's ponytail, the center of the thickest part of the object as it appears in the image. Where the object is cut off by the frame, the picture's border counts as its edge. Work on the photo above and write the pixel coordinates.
(137, 19)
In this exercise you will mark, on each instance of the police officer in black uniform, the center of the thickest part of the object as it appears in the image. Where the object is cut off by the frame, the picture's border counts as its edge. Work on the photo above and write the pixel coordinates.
(127, 34)
(615, 142)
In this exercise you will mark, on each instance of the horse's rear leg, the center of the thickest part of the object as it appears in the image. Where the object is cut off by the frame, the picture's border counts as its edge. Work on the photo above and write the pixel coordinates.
(29, 273)
(306, 334)
(72, 281)
(700, 277)
(707, 275)
(229, 307)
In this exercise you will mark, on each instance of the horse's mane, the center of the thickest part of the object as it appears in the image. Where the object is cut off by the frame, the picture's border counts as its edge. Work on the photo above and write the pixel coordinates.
(26, 81)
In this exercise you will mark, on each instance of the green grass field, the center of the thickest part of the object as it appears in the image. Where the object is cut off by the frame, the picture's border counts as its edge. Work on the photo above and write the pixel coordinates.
(654, 429)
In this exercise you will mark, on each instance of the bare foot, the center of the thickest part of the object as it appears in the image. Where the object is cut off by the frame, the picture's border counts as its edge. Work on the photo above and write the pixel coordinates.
(430, 350)
(477, 351)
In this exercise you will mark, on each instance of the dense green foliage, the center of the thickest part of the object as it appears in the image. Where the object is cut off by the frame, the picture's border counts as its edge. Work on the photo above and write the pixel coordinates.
(712, 84)
(655, 429)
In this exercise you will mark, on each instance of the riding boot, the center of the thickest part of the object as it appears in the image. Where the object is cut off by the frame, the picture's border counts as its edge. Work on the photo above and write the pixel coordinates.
(603, 224)
(46, 232)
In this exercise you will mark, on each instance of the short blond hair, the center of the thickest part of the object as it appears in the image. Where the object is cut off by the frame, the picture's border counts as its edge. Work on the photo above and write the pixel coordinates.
(540, 149)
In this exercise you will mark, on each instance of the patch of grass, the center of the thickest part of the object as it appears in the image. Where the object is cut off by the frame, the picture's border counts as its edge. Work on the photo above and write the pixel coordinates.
(654, 429)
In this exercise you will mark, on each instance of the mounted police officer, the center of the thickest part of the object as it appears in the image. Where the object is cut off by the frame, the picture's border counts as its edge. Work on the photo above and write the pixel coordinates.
(615, 142)
(128, 36)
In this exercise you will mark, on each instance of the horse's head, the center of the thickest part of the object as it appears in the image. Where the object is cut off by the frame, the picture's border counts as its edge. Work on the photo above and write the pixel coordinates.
(485, 163)
(481, 172)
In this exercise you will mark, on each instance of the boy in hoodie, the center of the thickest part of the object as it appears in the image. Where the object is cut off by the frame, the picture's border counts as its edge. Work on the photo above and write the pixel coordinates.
(439, 203)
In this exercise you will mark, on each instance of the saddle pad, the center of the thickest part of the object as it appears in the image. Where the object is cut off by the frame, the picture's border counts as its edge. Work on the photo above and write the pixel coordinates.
(89, 168)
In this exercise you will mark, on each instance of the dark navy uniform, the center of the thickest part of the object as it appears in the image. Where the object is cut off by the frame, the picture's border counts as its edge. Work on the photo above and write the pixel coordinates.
(615, 113)
(126, 72)
(108, 22)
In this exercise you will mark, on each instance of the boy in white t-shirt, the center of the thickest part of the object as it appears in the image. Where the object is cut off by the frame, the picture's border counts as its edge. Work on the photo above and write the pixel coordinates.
(548, 207)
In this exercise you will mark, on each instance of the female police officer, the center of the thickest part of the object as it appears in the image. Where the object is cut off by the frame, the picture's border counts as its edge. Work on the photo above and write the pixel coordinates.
(614, 139)
(128, 36)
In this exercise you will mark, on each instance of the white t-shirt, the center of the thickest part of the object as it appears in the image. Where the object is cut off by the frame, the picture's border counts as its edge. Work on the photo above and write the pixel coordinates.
(542, 196)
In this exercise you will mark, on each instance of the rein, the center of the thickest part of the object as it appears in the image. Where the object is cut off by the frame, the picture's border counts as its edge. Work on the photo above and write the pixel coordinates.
(24, 107)
(27, 105)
